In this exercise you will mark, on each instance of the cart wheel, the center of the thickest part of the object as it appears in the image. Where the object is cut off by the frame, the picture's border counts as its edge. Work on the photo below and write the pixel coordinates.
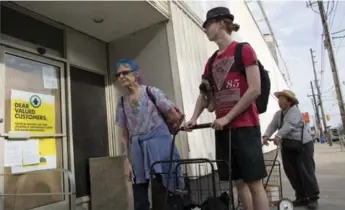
(285, 204)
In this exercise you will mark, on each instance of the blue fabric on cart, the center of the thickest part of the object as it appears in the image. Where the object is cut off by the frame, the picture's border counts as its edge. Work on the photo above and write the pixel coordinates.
(152, 147)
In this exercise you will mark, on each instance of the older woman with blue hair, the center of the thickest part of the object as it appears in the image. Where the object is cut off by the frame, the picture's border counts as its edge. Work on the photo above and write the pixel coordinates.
(144, 130)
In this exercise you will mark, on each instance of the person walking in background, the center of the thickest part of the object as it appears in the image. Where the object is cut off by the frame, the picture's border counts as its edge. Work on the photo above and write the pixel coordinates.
(297, 149)
(237, 116)
(144, 132)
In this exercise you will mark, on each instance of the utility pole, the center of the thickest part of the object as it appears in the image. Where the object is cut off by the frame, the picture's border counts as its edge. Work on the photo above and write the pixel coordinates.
(329, 46)
(316, 109)
(315, 119)
(323, 134)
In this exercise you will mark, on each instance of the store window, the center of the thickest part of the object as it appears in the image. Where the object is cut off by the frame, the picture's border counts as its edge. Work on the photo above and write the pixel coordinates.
(33, 103)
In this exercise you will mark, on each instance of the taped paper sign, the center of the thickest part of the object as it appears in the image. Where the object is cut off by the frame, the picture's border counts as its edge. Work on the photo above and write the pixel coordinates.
(21, 152)
(49, 78)
(13, 153)
(35, 113)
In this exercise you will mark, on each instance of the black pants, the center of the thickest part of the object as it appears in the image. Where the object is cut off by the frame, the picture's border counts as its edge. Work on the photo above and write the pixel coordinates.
(299, 167)
(141, 196)
(246, 157)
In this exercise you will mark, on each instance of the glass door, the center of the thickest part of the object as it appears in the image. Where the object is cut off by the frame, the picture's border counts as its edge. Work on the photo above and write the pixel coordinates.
(33, 130)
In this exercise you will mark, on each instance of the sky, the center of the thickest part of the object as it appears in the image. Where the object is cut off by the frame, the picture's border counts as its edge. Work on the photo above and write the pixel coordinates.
(297, 29)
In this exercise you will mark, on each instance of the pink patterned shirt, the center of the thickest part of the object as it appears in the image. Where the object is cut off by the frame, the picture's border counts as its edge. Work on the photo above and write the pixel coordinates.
(145, 117)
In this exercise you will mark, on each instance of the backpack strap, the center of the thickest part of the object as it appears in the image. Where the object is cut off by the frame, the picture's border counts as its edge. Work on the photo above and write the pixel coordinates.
(149, 93)
(153, 99)
(238, 58)
(302, 134)
(281, 119)
(210, 65)
(123, 107)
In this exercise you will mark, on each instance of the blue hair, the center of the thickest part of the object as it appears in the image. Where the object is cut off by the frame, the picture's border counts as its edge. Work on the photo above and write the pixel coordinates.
(126, 62)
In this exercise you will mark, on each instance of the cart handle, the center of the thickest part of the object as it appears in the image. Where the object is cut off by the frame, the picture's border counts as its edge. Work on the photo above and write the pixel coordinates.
(269, 140)
(199, 126)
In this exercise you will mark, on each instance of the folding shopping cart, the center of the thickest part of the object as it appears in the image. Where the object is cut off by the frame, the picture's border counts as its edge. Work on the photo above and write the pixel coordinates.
(199, 190)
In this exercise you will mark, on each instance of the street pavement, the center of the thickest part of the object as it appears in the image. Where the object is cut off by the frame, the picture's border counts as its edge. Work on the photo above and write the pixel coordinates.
(330, 171)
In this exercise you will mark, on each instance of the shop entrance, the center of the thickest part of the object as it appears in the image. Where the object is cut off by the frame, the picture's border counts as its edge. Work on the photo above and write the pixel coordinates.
(33, 129)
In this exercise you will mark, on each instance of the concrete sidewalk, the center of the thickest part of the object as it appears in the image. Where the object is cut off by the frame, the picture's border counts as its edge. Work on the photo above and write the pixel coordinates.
(330, 171)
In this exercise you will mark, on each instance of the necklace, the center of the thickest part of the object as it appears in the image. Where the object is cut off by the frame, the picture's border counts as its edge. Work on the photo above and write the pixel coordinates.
(134, 102)
(135, 106)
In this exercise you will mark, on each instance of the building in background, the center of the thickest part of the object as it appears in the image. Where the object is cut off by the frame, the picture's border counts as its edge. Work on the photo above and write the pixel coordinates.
(57, 91)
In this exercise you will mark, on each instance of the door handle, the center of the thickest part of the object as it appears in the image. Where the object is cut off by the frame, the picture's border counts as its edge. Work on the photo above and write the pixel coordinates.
(1, 120)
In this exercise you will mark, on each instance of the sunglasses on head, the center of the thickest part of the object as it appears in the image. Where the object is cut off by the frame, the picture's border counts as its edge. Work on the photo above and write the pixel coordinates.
(123, 73)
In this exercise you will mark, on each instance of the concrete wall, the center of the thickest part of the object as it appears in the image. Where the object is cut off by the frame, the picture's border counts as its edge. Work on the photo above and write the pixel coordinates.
(192, 51)
(86, 52)
(149, 48)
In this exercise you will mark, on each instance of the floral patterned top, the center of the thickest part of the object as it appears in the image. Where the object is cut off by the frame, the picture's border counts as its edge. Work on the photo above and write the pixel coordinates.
(144, 117)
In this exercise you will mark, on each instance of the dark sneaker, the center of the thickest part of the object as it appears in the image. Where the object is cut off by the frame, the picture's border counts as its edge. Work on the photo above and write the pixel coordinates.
(300, 202)
(313, 204)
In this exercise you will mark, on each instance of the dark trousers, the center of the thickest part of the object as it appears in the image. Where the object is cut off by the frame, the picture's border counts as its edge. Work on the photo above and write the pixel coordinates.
(245, 157)
(299, 167)
(141, 196)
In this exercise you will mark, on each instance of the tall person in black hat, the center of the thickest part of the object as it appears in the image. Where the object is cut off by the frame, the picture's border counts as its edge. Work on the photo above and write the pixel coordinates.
(237, 117)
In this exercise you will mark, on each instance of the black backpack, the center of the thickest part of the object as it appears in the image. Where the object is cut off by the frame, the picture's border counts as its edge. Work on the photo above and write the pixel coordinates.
(262, 100)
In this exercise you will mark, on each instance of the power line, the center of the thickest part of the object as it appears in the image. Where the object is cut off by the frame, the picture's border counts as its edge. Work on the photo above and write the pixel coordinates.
(338, 37)
(340, 31)
(337, 32)
(330, 89)
(329, 11)
(329, 46)
(340, 43)
(334, 13)
(286, 72)
(311, 4)
(340, 19)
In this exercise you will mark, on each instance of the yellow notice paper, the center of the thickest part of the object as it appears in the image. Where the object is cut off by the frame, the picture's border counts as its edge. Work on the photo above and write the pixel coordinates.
(34, 113)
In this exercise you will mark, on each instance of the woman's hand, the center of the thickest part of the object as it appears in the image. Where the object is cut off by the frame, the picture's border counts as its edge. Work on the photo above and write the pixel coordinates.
(276, 140)
(128, 169)
(265, 140)
(189, 125)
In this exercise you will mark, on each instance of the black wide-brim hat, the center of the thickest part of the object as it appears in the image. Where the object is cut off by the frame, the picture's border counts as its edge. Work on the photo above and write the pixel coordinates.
(218, 13)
